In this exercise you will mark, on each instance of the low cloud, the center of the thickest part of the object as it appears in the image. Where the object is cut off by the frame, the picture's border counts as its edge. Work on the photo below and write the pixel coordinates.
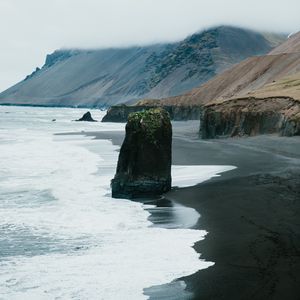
(30, 29)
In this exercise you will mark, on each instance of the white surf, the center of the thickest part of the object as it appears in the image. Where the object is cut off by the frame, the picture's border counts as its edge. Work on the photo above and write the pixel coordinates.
(61, 234)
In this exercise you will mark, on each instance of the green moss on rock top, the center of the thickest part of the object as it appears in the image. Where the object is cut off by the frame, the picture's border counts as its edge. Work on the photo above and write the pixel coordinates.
(144, 165)
(149, 121)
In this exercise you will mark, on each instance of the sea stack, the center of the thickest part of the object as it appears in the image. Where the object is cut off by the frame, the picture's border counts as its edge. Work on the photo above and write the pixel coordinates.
(144, 165)
(87, 117)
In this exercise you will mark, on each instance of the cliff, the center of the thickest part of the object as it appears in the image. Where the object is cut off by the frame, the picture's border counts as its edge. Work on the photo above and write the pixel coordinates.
(120, 113)
(96, 78)
(260, 95)
(251, 116)
(144, 165)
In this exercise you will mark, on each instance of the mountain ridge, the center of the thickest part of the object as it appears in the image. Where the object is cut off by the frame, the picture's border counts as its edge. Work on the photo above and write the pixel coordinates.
(257, 74)
(260, 95)
(96, 78)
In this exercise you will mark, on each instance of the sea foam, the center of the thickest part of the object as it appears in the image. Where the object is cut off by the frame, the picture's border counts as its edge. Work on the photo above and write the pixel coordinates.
(62, 235)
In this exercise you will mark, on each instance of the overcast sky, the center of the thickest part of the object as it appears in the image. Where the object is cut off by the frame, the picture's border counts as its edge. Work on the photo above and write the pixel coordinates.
(30, 29)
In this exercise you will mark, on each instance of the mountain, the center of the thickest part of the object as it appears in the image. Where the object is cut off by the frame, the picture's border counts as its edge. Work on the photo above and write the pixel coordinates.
(95, 78)
(274, 74)
(269, 102)
(292, 45)
(255, 75)
(259, 95)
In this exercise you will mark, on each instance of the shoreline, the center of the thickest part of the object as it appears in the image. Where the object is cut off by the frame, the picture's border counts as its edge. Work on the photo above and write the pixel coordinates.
(250, 213)
(254, 245)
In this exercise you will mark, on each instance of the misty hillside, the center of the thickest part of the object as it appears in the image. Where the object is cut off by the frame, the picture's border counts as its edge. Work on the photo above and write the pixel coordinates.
(276, 74)
(96, 78)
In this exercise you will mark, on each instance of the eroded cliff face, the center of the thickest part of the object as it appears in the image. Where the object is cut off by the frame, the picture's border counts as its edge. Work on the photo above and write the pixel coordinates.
(249, 117)
(120, 113)
(144, 165)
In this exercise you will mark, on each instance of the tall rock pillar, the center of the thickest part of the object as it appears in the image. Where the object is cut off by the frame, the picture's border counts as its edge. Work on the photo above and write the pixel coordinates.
(144, 165)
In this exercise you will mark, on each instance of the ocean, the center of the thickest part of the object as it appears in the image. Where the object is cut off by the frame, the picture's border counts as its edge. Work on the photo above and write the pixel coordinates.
(62, 236)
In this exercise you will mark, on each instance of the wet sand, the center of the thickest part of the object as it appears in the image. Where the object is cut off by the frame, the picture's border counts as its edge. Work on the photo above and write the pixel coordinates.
(251, 214)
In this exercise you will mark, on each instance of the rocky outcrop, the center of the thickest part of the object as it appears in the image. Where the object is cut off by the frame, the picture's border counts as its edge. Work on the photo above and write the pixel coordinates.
(58, 56)
(120, 113)
(87, 117)
(32, 74)
(144, 165)
(291, 126)
(249, 117)
(238, 123)
(184, 112)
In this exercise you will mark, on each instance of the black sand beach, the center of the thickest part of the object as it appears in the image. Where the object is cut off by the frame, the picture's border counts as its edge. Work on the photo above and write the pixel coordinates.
(251, 214)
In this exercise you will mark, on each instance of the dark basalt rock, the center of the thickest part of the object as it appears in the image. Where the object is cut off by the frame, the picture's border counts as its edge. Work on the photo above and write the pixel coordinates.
(235, 122)
(120, 113)
(144, 165)
(239, 123)
(291, 126)
(86, 117)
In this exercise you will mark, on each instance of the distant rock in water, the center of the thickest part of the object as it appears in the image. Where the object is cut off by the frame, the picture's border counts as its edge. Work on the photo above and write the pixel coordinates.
(87, 117)
(144, 165)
